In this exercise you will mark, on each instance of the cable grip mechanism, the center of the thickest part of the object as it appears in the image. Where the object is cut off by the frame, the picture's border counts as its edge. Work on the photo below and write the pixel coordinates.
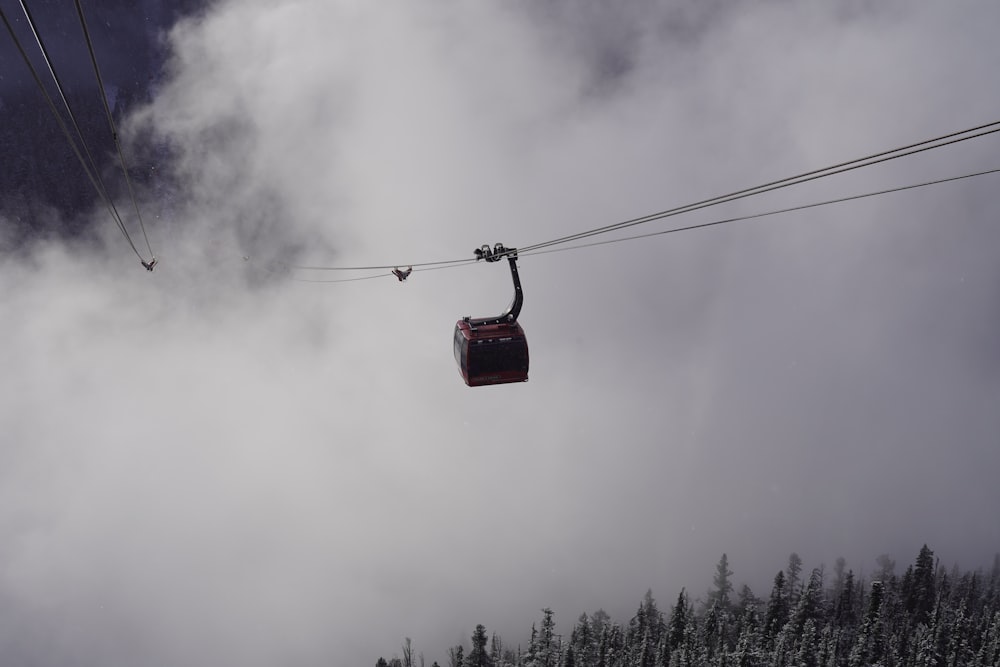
(495, 254)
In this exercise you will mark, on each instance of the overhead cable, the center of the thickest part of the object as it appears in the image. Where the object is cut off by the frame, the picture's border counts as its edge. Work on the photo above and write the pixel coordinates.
(758, 215)
(69, 109)
(377, 267)
(904, 151)
(426, 266)
(92, 176)
(876, 158)
(114, 130)
(701, 225)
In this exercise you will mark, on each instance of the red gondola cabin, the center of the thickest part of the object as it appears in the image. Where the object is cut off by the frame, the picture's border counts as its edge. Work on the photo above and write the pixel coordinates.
(493, 350)
(491, 353)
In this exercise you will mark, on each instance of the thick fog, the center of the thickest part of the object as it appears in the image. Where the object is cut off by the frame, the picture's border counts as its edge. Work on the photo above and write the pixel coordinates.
(218, 463)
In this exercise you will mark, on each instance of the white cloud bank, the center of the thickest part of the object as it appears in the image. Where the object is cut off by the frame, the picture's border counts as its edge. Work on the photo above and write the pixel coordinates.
(213, 465)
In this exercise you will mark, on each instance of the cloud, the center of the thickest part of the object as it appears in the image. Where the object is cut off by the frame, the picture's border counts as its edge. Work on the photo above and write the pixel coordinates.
(213, 464)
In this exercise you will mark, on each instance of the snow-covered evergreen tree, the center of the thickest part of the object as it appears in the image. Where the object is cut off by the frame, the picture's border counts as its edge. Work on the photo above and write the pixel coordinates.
(808, 649)
(921, 596)
(777, 609)
(583, 642)
(722, 591)
(792, 579)
(680, 615)
(478, 655)
(869, 647)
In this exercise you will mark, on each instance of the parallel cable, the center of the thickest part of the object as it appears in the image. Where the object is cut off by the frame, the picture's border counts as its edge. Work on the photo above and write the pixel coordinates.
(674, 230)
(876, 158)
(884, 156)
(111, 123)
(95, 179)
(378, 267)
(69, 109)
(758, 215)
(340, 280)
(284, 274)
(427, 266)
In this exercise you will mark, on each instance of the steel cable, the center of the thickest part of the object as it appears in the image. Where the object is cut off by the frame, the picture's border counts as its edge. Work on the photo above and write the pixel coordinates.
(876, 158)
(94, 178)
(111, 123)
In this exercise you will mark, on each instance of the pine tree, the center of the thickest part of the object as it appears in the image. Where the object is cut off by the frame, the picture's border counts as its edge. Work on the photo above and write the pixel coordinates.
(478, 656)
(747, 602)
(869, 647)
(634, 634)
(960, 649)
(989, 651)
(654, 617)
(598, 620)
(941, 623)
(844, 610)
(689, 652)
(644, 631)
(923, 643)
(827, 646)
(720, 595)
(993, 583)
(583, 643)
(777, 608)
(532, 658)
(712, 637)
(611, 648)
(601, 656)
(838, 577)
(810, 605)
(920, 602)
(808, 653)
(679, 617)
(496, 649)
(546, 655)
(792, 579)
(748, 651)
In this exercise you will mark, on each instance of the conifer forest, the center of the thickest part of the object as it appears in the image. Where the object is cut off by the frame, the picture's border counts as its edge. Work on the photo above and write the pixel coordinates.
(929, 616)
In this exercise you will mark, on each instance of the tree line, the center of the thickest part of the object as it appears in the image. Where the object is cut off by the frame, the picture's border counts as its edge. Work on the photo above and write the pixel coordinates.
(928, 617)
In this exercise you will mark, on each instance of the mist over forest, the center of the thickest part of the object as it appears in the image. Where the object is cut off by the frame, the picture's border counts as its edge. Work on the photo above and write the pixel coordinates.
(927, 615)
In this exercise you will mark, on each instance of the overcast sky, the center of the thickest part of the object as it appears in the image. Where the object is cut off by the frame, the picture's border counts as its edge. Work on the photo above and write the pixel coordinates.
(213, 464)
